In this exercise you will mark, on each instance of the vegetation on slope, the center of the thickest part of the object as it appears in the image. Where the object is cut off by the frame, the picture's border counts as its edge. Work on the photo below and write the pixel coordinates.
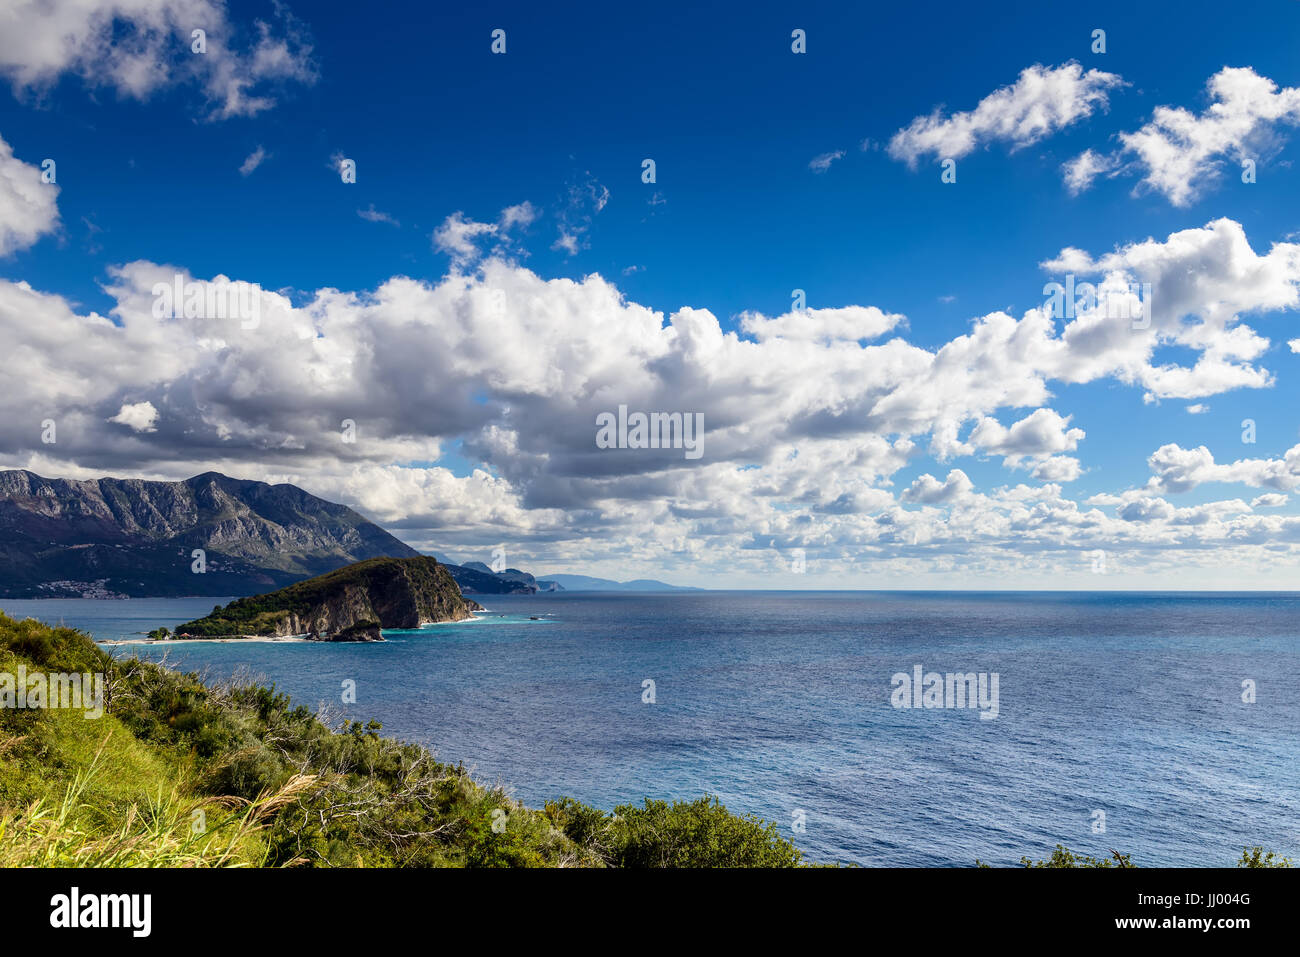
(1063, 857)
(180, 773)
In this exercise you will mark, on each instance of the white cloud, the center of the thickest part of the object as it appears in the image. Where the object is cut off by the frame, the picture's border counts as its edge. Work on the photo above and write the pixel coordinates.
(522, 214)
(252, 161)
(137, 47)
(1042, 101)
(1042, 433)
(372, 215)
(28, 207)
(1201, 281)
(457, 237)
(1179, 153)
(1181, 470)
(567, 242)
(1034, 443)
(928, 490)
(1057, 468)
(849, 323)
(1269, 500)
(809, 417)
(139, 416)
(1147, 509)
(1084, 168)
(460, 237)
(821, 163)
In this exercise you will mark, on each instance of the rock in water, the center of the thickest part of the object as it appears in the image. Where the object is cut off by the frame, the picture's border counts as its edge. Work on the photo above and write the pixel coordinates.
(349, 604)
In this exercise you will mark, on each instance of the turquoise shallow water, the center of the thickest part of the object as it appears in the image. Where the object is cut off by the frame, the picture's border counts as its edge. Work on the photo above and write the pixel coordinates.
(781, 703)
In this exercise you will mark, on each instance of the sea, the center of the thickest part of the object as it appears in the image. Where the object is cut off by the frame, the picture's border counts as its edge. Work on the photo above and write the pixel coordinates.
(1162, 725)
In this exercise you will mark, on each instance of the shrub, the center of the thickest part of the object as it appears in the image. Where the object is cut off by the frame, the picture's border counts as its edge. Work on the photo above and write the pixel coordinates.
(700, 833)
(1255, 857)
(1064, 857)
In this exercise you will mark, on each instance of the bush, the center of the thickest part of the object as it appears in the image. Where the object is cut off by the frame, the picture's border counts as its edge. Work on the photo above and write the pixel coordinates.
(1064, 857)
(700, 833)
(1255, 857)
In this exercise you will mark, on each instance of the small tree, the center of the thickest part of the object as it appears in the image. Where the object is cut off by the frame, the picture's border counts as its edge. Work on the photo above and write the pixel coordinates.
(1255, 857)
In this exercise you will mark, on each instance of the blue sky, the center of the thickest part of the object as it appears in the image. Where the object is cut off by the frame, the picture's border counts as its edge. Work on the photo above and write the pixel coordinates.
(150, 171)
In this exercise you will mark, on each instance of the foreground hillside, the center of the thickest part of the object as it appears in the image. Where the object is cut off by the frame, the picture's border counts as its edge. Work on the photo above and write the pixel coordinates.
(109, 537)
(349, 604)
(176, 773)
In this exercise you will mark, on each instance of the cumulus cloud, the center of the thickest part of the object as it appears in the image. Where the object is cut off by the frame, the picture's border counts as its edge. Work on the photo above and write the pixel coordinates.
(1057, 468)
(1147, 509)
(28, 207)
(137, 47)
(928, 490)
(1033, 443)
(1269, 500)
(461, 238)
(521, 214)
(1189, 290)
(458, 237)
(1179, 153)
(1180, 470)
(1042, 101)
(849, 323)
(1084, 168)
(138, 416)
(1039, 435)
(809, 417)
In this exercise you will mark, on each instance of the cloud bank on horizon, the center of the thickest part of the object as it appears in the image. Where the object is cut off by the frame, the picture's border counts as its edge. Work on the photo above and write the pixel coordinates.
(850, 432)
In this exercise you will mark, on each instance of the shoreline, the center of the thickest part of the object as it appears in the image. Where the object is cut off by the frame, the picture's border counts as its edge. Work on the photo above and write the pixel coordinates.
(271, 639)
(226, 639)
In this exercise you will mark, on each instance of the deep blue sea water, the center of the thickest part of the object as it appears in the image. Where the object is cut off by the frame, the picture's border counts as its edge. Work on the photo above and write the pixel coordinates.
(777, 702)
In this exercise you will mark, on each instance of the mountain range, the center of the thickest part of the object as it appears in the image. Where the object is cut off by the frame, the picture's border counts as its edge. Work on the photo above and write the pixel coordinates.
(207, 535)
(587, 583)
(477, 578)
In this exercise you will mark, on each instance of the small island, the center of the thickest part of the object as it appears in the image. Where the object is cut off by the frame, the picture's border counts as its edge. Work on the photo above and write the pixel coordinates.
(349, 604)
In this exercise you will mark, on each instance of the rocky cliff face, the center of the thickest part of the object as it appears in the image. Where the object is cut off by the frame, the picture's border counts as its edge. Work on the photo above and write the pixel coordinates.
(350, 604)
(349, 608)
(63, 538)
